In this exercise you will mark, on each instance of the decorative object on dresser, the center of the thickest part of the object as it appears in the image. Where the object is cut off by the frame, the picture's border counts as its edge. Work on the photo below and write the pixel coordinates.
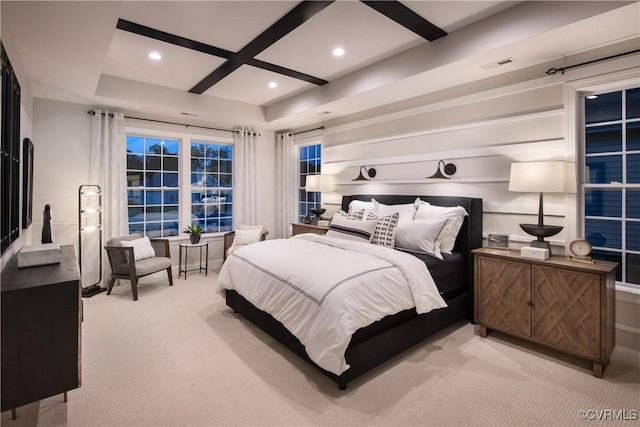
(134, 256)
(322, 184)
(559, 303)
(542, 177)
(371, 173)
(41, 314)
(448, 168)
(498, 240)
(580, 250)
(371, 345)
(298, 228)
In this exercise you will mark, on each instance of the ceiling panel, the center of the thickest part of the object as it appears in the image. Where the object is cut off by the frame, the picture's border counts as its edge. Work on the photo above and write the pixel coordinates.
(179, 68)
(366, 35)
(249, 84)
(452, 15)
(225, 24)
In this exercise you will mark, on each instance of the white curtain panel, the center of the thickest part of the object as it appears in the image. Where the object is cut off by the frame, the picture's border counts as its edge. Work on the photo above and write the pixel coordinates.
(245, 178)
(286, 184)
(108, 169)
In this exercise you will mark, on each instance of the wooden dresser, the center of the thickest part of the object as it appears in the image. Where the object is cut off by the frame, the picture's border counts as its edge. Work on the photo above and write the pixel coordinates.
(300, 228)
(41, 318)
(564, 304)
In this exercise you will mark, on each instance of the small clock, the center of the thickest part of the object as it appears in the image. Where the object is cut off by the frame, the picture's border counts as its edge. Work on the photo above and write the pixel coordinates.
(580, 250)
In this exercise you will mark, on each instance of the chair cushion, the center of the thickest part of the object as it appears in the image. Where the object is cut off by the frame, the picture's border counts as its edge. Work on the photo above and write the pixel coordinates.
(152, 265)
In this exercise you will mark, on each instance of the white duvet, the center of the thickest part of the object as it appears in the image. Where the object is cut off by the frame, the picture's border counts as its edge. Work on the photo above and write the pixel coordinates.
(323, 289)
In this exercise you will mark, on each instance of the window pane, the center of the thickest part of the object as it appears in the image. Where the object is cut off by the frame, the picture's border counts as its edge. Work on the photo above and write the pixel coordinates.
(212, 165)
(136, 228)
(170, 213)
(135, 144)
(633, 168)
(135, 197)
(599, 202)
(154, 197)
(225, 166)
(135, 179)
(605, 108)
(153, 163)
(225, 180)
(154, 146)
(633, 203)
(633, 268)
(228, 195)
(170, 179)
(604, 233)
(134, 161)
(633, 103)
(154, 179)
(136, 214)
(604, 139)
(612, 257)
(633, 136)
(197, 150)
(604, 169)
(170, 197)
(170, 164)
(170, 228)
(633, 236)
(304, 153)
(171, 147)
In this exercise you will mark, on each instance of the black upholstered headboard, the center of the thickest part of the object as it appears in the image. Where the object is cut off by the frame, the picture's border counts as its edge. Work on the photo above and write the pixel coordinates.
(470, 235)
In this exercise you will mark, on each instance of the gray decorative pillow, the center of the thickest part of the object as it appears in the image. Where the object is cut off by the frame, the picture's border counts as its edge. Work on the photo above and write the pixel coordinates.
(384, 234)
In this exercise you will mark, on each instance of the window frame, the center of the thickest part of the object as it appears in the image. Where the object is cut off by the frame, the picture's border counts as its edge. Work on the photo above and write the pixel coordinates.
(184, 169)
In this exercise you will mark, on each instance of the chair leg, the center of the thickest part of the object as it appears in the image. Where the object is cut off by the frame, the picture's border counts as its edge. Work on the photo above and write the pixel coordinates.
(134, 289)
(170, 276)
(110, 287)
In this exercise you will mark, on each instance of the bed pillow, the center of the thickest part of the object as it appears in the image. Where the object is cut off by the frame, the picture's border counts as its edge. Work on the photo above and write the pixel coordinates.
(384, 234)
(405, 211)
(142, 248)
(421, 236)
(455, 215)
(351, 229)
(358, 205)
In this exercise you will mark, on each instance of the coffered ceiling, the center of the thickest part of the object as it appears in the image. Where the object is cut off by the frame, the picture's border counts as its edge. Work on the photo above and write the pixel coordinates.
(219, 57)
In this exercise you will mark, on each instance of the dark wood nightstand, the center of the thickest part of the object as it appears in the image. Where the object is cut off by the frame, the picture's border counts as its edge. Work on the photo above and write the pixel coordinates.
(564, 304)
(300, 228)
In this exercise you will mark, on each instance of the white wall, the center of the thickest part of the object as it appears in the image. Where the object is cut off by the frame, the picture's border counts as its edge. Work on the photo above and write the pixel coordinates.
(62, 135)
(482, 131)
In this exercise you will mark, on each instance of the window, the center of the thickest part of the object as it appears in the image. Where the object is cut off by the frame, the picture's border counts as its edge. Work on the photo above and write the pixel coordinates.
(611, 188)
(165, 193)
(310, 164)
(211, 189)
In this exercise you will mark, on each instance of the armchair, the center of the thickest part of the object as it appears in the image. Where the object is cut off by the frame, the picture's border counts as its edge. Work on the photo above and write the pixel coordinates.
(128, 264)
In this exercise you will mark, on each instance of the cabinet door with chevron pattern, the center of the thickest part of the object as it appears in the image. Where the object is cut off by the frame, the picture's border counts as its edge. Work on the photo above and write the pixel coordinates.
(503, 295)
(566, 309)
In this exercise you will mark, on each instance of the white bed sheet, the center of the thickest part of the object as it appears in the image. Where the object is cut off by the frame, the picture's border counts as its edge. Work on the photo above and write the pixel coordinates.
(323, 289)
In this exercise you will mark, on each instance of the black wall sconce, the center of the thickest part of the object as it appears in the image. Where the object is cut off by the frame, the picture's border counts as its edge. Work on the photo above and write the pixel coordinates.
(448, 168)
(371, 173)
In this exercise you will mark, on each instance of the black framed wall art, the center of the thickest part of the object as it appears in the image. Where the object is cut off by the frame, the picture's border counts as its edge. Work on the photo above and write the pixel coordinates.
(27, 182)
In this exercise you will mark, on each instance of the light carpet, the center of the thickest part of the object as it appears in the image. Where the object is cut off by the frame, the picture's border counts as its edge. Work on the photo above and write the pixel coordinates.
(180, 357)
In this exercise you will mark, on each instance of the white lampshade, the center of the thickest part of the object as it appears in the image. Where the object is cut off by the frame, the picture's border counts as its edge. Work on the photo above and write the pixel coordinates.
(322, 183)
(543, 177)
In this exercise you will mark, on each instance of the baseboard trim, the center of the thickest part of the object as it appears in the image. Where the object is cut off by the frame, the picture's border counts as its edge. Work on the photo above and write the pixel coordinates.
(626, 355)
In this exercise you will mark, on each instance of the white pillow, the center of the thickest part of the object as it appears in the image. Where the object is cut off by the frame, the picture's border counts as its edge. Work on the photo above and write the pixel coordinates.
(384, 234)
(351, 229)
(455, 214)
(142, 248)
(358, 205)
(421, 235)
(406, 211)
(244, 236)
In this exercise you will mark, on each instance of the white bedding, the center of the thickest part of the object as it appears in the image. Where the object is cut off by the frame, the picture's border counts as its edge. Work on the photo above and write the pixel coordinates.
(323, 289)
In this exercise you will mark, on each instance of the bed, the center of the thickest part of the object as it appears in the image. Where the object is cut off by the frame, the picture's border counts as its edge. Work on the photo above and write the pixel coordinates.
(378, 342)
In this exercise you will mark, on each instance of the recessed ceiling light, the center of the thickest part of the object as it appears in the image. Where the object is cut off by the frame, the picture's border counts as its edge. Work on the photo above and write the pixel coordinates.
(155, 56)
(338, 51)
(273, 85)
(591, 96)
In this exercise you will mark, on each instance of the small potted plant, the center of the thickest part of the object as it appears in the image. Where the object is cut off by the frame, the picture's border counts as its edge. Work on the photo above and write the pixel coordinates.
(194, 231)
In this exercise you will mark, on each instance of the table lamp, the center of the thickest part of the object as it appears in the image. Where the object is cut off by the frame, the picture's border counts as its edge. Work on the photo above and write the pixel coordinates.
(542, 177)
(323, 184)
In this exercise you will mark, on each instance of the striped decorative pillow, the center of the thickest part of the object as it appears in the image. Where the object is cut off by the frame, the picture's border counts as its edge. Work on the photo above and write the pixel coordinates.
(384, 234)
(351, 229)
(358, 215)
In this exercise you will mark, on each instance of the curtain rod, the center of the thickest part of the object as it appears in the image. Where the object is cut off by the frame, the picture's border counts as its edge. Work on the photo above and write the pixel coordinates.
(93, 113)
(553, 70)
(308, 130)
